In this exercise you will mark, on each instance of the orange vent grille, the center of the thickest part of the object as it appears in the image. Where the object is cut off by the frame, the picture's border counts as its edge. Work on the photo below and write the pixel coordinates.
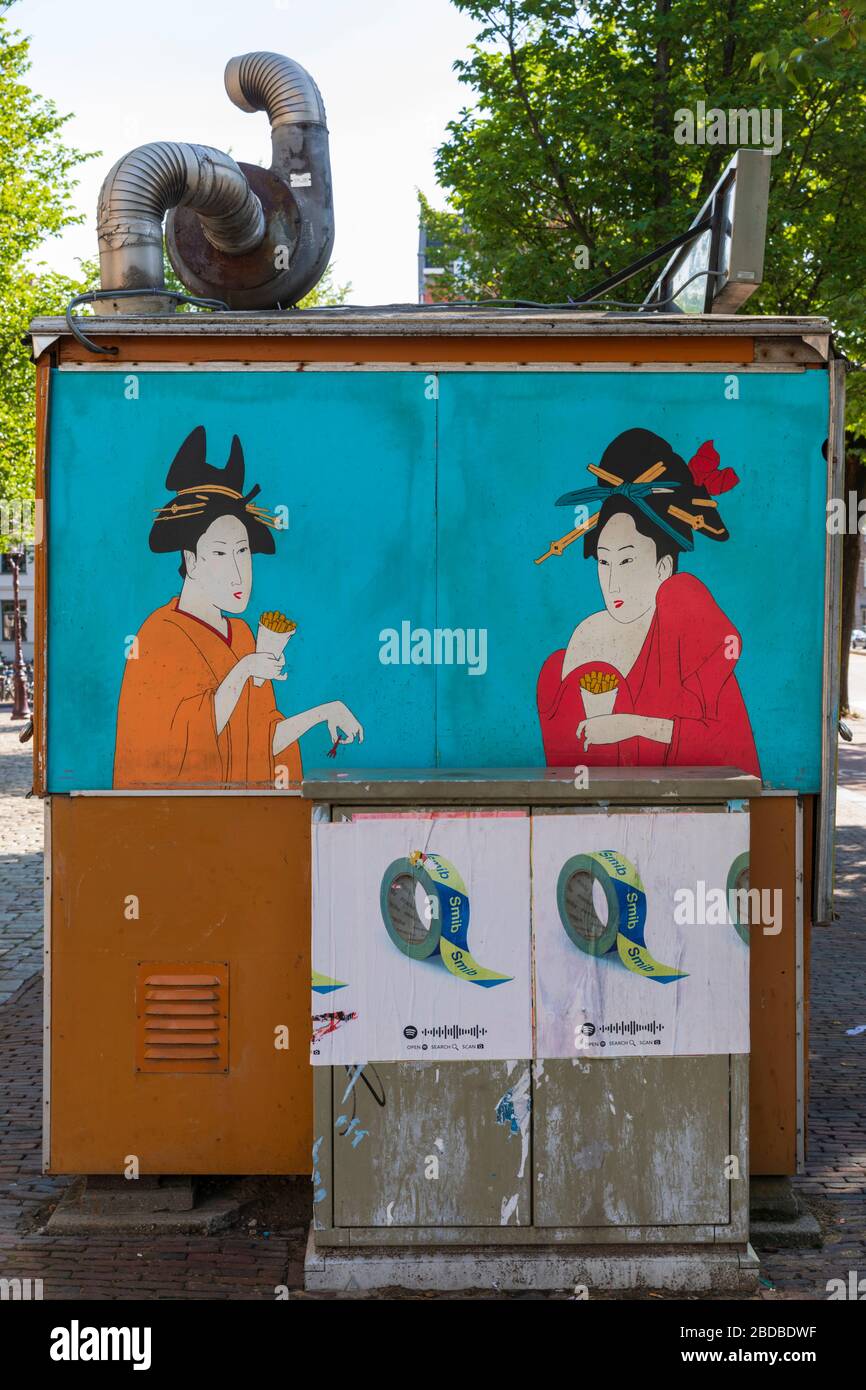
(182, 1017)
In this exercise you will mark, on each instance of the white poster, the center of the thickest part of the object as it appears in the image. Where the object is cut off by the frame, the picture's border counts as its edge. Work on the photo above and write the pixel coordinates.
(422, 938)
(638, 951)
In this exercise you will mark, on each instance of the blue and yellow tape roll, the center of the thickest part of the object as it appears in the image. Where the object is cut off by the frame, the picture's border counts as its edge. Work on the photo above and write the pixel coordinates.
(623, 932)
(444, 928)
(738, 882)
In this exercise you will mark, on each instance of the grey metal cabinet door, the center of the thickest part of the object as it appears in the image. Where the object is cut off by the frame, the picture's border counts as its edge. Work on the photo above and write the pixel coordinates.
(632, 1141)
(436, 1145)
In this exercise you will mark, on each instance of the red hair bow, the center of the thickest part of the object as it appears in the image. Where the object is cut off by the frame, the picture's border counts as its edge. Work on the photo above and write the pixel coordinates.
(705, 470)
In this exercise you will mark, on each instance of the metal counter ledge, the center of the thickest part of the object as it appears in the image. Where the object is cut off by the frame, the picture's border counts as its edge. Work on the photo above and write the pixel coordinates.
(528, 785)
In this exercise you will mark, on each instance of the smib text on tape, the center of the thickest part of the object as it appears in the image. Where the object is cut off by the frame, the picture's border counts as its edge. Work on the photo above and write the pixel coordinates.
(440, 924)
(623, 931)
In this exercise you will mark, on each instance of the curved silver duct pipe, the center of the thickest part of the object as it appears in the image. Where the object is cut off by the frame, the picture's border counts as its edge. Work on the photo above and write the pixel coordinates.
(252, 237)
(300, 155)
(296, 192)
(269, 82)
(140, 189)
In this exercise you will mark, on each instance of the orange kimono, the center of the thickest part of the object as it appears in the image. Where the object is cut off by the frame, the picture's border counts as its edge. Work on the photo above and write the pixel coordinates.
(166, 724)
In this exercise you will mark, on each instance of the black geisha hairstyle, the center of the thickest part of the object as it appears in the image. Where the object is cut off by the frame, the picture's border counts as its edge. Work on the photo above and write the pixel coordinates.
(204, 493)
(667, 498)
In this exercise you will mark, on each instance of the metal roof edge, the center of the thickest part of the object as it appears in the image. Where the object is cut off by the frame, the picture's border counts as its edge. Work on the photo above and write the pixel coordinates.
(396, 321)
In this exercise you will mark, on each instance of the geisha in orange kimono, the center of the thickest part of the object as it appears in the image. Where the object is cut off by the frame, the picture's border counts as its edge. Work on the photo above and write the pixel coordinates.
(197, 704)
(649, 680)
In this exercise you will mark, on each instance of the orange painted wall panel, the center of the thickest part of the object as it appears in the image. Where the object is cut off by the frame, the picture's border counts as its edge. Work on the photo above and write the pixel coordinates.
(476, 350)
(773, 1069)
(221, 879)
(226, 878)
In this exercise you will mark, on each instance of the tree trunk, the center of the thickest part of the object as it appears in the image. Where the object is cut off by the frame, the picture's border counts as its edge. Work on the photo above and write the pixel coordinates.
(661, 113)
(855, 481)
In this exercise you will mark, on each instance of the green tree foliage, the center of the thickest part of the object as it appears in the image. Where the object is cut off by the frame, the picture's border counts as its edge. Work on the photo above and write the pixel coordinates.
(327, 293)
(569, 143)
(36, 181)
(815, 44)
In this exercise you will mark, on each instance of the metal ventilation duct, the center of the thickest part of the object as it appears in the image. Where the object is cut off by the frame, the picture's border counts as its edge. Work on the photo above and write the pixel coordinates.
(255, 238)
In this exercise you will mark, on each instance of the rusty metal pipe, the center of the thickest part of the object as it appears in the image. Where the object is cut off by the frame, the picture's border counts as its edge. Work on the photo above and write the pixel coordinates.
(140, 189)
(300, 156)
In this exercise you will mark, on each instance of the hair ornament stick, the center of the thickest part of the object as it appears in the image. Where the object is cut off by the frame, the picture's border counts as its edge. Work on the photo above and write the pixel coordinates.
(699, 523)
(649, 475)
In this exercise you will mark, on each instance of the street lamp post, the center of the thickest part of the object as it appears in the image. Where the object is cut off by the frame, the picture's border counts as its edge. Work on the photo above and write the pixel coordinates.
(20, 705)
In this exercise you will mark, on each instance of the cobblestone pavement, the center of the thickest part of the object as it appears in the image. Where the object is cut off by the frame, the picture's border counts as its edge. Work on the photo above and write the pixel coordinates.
(21, 831)
(244, 1265)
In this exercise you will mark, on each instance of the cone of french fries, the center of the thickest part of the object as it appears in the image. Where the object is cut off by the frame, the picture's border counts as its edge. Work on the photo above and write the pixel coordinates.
(275, 629)
(598, 689)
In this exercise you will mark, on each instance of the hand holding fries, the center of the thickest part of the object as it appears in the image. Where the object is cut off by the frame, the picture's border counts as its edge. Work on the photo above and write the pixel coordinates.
(275, 629)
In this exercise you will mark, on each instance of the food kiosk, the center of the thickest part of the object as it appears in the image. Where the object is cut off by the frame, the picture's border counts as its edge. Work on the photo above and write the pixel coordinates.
(540, 600)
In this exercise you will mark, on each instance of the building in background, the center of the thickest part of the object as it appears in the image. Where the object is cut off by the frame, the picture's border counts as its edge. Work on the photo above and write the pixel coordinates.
(427, 274)
(7, 607)
(439, 276)
(860, 599)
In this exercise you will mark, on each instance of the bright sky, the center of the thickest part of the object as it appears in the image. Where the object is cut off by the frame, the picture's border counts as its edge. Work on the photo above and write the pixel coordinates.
(133, 71)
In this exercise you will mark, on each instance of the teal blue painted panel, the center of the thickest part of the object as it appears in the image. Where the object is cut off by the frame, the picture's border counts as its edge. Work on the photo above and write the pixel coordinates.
(352, 457)
(412, 515)
(510, 444)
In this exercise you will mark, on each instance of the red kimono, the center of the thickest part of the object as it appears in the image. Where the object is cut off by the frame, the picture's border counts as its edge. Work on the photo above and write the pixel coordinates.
(683, 672)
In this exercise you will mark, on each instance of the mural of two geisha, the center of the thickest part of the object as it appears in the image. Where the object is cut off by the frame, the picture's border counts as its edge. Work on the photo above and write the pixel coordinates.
(301, 570)
(649, 679)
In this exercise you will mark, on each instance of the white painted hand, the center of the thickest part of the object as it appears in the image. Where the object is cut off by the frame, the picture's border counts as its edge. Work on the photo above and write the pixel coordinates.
(605, 728)
(265, 666)
(340, 717)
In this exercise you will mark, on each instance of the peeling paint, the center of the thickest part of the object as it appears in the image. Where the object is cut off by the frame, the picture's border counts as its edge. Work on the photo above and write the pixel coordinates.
(354, 1074)
(350, 1125)
(320, 1192)
(509, 1209)
(514, 1110)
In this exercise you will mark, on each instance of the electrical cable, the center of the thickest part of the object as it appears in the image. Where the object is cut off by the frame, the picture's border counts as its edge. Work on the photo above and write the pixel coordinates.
(93, 295)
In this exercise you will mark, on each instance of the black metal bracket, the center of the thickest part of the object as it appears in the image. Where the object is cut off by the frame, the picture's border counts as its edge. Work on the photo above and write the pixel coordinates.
(628, 271)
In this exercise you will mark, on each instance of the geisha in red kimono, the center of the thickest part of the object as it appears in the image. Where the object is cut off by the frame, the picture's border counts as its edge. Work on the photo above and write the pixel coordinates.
(649, 680)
